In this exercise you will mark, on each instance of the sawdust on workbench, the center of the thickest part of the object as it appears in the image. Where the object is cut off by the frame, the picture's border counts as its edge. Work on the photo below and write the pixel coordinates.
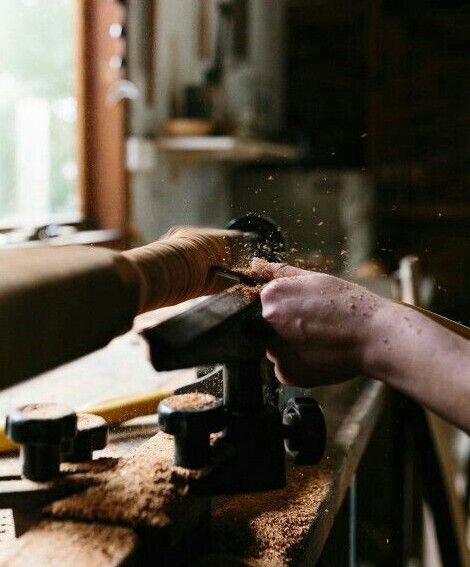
(272, 526)
(42, 410)
(144, 489)
(191, 401)
(74, 543)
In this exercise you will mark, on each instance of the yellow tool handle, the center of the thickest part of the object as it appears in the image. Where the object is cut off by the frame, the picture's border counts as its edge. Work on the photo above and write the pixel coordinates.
(114, 411)
(119, 410)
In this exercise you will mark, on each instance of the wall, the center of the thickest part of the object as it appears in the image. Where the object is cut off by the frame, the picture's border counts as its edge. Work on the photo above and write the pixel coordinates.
(326, 214)
(199, 194)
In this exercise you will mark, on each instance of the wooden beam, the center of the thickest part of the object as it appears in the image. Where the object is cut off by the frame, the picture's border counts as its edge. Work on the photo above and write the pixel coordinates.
(135, 512)
(101, 126)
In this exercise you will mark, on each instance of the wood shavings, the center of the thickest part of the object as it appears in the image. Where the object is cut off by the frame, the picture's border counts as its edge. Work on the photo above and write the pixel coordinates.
(192, 401)
(144, 489)
(249, 292)
(264, 269)
(271, 526)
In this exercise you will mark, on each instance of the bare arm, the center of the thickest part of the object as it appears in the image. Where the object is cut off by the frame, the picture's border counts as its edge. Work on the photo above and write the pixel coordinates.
(423, 360)
(330, 330)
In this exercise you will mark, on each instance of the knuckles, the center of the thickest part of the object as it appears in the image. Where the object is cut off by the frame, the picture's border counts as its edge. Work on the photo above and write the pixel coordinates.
(272, 291)
(271, 297)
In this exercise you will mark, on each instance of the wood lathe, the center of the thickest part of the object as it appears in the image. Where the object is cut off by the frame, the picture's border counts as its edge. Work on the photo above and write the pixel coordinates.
(86, 297)
(70, 301)
(214, 483)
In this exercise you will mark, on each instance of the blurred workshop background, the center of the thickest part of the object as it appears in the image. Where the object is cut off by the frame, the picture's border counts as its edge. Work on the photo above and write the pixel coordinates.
(345, 121)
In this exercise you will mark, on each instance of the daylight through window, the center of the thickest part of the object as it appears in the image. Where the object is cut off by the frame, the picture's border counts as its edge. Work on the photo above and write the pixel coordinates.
(37, 112)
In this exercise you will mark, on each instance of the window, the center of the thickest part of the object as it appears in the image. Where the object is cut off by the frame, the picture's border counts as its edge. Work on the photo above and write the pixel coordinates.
(38, 169)
(62, 140)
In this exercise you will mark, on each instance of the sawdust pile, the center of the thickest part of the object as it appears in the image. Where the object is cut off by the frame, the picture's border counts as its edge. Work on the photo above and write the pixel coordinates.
(264, 270)
(272, 526)
(247, 292)
(144, 489)
(192, 401)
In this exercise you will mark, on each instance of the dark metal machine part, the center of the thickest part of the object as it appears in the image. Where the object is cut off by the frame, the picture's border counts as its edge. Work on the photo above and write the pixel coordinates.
(49, 434)
(220, 329)
(262, 234)
(40, 430)
(191, 429)
(92, 435)
(227, 329)
(304, 430)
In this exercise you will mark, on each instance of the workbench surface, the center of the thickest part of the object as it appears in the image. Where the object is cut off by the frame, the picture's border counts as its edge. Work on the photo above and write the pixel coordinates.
(290, 526)
(280, 527)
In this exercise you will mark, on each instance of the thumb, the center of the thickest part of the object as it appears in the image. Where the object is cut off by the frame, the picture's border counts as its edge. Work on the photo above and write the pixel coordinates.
(272, 271)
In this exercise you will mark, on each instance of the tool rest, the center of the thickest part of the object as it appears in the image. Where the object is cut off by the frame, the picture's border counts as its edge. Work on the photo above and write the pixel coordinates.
(228, 329)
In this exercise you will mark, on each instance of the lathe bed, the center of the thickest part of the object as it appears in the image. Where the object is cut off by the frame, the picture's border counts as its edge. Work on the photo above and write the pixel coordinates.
(287, 526)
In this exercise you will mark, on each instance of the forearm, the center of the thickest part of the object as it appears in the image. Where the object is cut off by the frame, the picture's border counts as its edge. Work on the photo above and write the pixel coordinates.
(419, 357)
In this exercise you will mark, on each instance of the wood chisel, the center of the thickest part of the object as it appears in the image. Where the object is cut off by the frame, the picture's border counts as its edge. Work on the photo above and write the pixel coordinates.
(237, 277)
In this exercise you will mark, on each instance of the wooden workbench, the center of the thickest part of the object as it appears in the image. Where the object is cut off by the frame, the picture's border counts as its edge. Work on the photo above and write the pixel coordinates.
(290, 526)
(301, 515)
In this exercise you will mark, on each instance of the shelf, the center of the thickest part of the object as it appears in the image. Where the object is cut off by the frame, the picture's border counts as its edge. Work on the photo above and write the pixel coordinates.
(142, 153)
(226, 149)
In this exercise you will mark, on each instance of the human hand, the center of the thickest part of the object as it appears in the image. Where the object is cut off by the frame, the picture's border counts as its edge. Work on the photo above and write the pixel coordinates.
(324, 325)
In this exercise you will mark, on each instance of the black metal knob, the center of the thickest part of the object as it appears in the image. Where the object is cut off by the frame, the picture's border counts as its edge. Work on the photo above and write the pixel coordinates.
(263, 235)
(40, 430)
(191, 418)
(305, 430)
(92, 435)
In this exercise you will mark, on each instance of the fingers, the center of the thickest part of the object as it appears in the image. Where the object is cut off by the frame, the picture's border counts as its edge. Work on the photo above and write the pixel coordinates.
(271, 271)
(314, 368)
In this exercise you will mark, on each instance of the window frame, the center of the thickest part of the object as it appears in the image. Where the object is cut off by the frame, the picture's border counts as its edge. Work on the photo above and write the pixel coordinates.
(102, 184)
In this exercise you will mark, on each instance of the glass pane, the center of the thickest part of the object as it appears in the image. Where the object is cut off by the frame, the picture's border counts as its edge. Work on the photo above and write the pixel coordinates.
(37, 111)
